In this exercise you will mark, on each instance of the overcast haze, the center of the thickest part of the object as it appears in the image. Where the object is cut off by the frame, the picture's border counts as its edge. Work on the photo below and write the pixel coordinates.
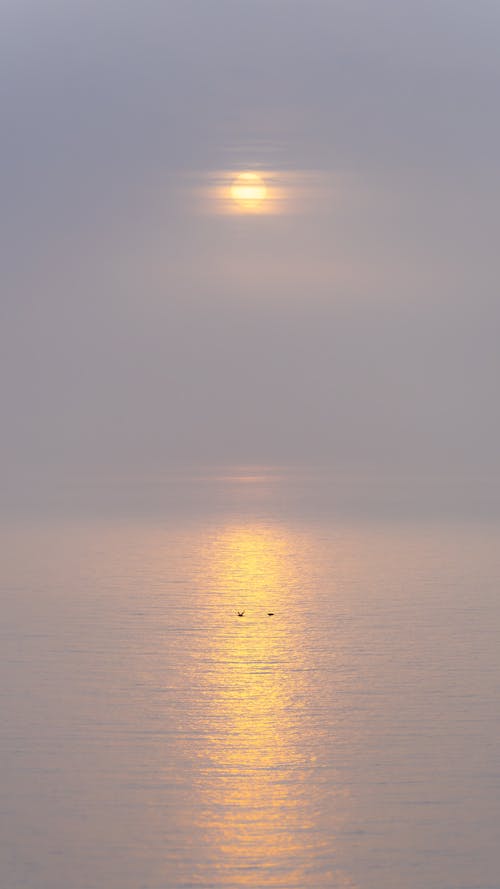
(359, 332)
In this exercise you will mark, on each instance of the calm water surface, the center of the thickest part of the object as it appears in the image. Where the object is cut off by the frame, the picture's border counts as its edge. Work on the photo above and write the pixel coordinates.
(153, 739)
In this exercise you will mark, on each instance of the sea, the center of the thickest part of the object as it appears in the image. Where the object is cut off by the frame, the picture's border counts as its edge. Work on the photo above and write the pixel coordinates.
(251, 677)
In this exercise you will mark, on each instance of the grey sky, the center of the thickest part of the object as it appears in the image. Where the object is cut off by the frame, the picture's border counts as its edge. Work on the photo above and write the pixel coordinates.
(361, 333)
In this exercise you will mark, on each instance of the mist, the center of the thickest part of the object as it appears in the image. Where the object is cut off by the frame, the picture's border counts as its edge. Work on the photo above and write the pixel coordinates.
(356, 333)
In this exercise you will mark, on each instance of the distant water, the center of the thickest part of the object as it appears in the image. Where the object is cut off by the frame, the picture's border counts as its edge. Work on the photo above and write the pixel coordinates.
(152, 739)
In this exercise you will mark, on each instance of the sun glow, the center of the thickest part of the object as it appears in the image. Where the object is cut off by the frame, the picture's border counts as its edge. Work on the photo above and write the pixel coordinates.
(244, 192)
(249, 190)
(257, 191)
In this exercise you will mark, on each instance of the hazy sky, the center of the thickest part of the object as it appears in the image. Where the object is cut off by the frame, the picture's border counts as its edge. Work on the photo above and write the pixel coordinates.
(360, 331)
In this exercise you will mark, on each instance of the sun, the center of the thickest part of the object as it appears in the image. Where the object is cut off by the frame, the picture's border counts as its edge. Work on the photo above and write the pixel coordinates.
(249, 191)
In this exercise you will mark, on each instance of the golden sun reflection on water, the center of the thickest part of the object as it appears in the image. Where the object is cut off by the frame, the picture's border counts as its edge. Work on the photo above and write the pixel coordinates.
(254, 790)
(253, 743)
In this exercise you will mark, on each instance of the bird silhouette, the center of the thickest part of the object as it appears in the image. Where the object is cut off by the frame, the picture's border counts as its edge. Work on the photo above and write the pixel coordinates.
(240, 613)
(270, 613)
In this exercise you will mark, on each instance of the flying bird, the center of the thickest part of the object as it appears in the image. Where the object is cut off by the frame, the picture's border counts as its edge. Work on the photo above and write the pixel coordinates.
(270, 613)
(240, 613)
